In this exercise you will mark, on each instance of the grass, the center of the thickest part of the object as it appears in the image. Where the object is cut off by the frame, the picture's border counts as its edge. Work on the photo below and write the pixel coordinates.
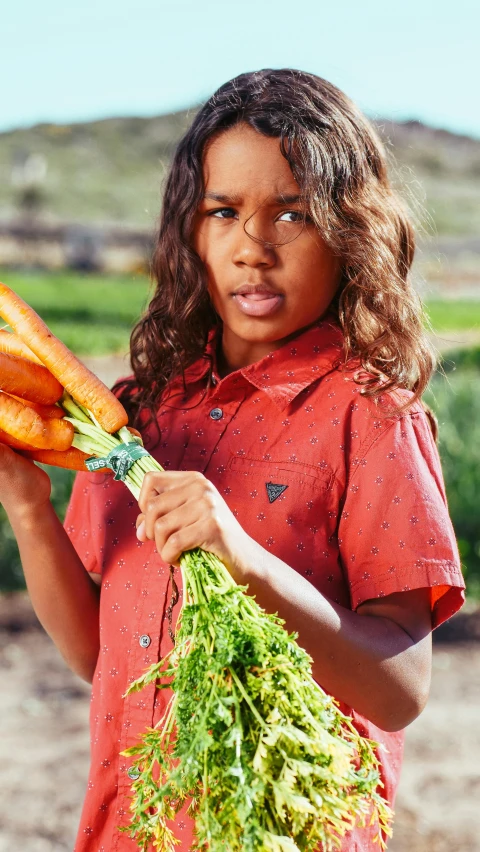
(467, 358)
(454, 314)
(456, 402)
(92, 314)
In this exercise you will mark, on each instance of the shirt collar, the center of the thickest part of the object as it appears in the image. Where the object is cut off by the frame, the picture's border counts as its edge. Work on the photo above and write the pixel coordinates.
(286, 371)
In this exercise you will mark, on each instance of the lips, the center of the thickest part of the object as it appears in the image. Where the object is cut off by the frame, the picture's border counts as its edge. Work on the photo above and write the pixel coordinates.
(255, 301)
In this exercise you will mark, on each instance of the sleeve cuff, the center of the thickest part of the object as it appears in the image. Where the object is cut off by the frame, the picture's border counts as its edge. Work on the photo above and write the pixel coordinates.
(447, 587)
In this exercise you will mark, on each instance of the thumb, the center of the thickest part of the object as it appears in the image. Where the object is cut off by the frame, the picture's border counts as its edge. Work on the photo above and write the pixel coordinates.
(140, 524)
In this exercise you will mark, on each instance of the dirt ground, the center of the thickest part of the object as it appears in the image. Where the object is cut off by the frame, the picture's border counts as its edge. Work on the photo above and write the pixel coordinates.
(44, 744)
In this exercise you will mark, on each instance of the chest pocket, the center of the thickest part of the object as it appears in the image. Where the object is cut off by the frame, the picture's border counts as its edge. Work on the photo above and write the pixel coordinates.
(289, 508)
(299, 474)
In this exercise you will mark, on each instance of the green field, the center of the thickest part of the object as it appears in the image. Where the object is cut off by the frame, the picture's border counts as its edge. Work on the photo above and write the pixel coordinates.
(94, 314)
(454, 314)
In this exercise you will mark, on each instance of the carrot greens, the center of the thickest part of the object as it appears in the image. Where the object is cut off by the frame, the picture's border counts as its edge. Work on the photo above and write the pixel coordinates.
(106, 449)
(265, 757)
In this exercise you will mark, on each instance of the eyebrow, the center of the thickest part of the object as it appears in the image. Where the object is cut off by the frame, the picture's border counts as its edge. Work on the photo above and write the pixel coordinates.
(236, 199)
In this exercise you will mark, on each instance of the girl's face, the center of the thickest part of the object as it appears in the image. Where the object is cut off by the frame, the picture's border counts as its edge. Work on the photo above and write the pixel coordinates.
(264, 293)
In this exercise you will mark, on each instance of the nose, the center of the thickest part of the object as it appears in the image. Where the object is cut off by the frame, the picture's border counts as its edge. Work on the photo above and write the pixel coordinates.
(252, 252)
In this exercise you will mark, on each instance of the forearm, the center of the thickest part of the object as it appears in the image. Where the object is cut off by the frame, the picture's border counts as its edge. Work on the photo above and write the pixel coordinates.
(63, 595)
(370, 663)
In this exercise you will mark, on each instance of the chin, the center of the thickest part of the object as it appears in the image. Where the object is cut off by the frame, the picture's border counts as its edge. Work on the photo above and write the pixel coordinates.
(258, 331)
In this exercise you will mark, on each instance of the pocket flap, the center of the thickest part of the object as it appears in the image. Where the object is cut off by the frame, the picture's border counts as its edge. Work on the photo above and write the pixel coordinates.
(277, 471)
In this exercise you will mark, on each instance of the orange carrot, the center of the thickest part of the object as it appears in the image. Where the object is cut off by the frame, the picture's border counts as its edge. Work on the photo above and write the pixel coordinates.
(12, 344)
(48, 411)
(10, 441)
(72, 458)
(25, 379)
(24, 424)
(78, 380)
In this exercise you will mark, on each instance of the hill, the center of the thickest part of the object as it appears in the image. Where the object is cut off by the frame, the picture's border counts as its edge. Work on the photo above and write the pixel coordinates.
(112, 171)
(442, 170)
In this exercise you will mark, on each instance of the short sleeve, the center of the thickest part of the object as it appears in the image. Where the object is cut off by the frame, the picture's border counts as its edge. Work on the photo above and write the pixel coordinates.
(78, 522)
(395, 533)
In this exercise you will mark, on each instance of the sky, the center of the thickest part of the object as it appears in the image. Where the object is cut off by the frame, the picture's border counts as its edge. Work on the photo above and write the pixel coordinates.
(64, 61)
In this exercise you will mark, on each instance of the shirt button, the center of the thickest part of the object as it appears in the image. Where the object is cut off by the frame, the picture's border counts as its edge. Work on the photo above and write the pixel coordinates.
(133, 773)
(144, 640)
(216, 413)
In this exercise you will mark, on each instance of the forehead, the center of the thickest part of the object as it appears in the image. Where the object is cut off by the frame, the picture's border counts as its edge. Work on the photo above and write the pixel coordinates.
(242, 162)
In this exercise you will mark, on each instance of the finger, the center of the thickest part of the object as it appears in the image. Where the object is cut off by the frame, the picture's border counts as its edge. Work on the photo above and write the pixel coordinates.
(161, 505)
(164, 526)
(185, 538)
(140, 525)
(191, 487)
(157, 482)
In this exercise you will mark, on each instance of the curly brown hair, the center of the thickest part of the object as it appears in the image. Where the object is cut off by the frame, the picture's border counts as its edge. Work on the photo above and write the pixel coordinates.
(340, 165)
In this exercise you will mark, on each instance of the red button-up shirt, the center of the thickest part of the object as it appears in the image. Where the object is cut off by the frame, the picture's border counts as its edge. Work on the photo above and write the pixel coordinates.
(319, 477)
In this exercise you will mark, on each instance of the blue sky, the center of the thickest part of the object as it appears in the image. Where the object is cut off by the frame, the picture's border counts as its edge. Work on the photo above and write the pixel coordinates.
(65, 61)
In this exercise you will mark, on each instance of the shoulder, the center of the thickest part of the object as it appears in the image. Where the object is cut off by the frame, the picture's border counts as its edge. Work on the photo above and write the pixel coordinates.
(345, 386)
(368, 424)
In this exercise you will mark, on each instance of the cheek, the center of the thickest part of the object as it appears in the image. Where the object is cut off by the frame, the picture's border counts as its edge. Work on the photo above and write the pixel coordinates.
(202, 240)
(214, 295)
(317, 275)
(202, 247)
(325, 270)
(207, 250)
(213, 277)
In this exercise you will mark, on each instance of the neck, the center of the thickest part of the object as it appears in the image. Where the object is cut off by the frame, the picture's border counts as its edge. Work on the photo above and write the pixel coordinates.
(233, 356)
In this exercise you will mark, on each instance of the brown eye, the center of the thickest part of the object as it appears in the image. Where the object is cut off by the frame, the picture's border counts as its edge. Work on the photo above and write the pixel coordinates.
(223, 213)
(296, 216)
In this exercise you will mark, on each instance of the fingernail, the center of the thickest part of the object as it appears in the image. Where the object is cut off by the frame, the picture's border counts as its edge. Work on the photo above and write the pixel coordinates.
(141, 531)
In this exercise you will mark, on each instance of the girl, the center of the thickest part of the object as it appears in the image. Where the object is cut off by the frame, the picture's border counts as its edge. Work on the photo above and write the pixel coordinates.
(278, 374)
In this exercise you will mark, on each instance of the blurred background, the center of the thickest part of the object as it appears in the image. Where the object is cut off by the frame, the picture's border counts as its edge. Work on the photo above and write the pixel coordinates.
(96, 100)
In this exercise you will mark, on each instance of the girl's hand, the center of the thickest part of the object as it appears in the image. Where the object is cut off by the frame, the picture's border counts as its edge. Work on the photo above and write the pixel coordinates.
(24, 487)
(182, 510)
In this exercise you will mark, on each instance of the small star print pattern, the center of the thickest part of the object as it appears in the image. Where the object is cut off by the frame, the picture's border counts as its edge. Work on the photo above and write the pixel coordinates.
(362, 514)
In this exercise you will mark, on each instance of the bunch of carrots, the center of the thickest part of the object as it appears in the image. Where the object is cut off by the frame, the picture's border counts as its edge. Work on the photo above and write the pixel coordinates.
(37, 372)
(53, 409)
